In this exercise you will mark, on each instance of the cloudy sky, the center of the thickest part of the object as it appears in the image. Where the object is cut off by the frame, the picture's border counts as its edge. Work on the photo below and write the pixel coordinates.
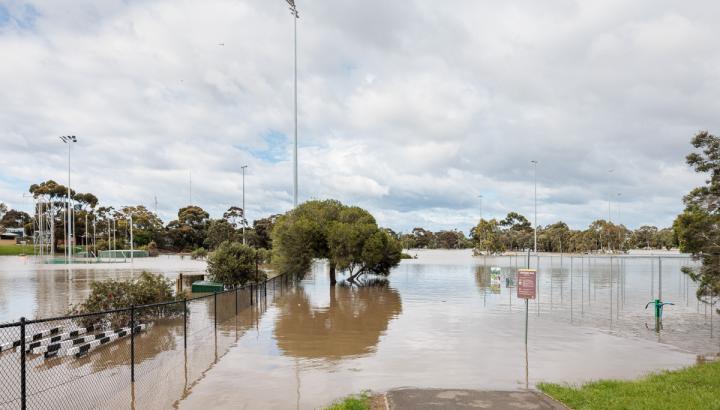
(408, 108)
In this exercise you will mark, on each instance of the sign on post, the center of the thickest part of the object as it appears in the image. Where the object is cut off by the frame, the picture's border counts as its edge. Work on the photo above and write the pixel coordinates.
(526, 284)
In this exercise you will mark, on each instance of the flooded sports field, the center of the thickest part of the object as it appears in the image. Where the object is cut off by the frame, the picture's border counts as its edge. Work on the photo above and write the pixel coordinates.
(444, 320)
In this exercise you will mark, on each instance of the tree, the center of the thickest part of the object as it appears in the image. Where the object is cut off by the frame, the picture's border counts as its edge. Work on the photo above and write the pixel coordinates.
(190, 229)
(486, 236)
(423, 238)
(348, 237)
(235, 216)
(147, 226)
(234, 264)
(219, 231)
(263, 231)
(698, 227)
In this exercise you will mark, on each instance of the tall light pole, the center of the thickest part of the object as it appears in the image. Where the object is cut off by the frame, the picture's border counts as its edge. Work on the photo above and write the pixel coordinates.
(243, 202)
(534, 163)
(296, 16)
(610, 171)
(68, 140)
(481, 198)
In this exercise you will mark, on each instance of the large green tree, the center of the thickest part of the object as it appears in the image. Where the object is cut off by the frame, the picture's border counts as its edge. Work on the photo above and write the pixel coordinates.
(348, 237)
(698, 227)
(234, 264)
(190, 229)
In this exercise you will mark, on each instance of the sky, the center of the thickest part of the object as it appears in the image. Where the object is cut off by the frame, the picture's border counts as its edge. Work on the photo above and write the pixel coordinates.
(409, 109)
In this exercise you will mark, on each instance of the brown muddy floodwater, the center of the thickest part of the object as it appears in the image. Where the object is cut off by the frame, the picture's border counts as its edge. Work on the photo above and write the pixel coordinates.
(444, 320)
(35, 290)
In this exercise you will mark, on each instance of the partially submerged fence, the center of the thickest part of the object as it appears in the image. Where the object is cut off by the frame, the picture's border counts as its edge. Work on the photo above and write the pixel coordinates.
(144, 356)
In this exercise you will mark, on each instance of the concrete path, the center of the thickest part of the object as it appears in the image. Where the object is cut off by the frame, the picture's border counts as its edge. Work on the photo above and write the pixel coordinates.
(432, 399)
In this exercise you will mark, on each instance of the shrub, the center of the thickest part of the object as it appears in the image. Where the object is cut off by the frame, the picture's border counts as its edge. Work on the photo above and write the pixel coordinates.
(234, 264)
(199, 253)
(111, 294)
(152, 249)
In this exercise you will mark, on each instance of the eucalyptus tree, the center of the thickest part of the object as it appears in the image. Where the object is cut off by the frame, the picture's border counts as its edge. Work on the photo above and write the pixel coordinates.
(698, 227)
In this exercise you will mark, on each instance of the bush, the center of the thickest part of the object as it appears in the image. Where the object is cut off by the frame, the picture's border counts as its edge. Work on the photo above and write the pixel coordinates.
(234, 264)
(152, 249)
(111, 294)
(199, 253)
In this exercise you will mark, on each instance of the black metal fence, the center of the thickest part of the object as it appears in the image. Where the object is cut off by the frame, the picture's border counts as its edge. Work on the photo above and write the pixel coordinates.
(142, 356)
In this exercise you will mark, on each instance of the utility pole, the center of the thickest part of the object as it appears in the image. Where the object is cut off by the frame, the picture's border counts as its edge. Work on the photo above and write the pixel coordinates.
(534, 162)
(243, 203)
(296, 16)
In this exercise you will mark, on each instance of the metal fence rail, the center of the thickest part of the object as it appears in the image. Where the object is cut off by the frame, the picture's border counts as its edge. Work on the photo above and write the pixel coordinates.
(123, 357)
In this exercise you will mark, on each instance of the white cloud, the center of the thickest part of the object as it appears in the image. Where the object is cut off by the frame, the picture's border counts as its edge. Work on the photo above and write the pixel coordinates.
(410, 109)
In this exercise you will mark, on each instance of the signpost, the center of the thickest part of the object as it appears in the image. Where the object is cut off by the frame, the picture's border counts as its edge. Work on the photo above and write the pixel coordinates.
(526, 289)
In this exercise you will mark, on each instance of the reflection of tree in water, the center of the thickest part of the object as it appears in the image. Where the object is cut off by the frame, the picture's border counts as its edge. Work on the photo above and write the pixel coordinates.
(351, 325)
(482, 277)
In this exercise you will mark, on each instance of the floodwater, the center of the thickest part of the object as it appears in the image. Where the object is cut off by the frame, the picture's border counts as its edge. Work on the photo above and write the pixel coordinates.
(35, 290)
(444, 321)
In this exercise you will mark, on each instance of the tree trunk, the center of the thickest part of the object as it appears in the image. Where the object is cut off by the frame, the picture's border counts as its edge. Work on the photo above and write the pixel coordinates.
(333, 281)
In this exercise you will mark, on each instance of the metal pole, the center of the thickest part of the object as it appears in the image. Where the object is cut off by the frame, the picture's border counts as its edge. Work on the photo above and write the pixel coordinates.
(295, 150)
(23, 373)
(243, 203)
(132, 343)
(185, 322)
(660, 278)
(215, 303)
(535, 181)
(132, 249)
(69, 223)
(526, 344)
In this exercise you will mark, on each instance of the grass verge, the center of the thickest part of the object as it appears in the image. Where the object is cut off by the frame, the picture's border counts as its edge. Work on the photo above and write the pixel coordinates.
(6, 250)
(362, 401)
(696, 387)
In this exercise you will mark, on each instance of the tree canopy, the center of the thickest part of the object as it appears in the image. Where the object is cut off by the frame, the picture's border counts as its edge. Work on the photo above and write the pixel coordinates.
(698, 227)
(347, 236)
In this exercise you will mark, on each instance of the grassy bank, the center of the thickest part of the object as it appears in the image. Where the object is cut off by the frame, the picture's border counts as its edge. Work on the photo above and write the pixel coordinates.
(696, 387)
(361, 401)
(16, 250)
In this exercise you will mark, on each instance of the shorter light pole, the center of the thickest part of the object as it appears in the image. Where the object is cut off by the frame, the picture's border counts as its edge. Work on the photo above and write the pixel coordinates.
(243, 203)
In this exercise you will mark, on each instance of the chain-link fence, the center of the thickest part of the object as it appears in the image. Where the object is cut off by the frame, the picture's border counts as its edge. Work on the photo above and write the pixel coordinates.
(143, 356)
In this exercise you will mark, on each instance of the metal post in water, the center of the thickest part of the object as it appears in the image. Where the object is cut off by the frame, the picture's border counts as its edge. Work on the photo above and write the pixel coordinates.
(23, 373)
(660, 278)
(215, 303)
(185, 322)
(132, 343)
(236, 300)
(251, 294)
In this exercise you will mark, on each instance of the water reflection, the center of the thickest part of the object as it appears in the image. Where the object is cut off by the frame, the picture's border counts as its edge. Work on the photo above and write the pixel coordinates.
(350, 325)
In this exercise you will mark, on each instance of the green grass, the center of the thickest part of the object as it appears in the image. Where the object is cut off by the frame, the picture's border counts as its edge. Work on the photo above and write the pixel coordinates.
(16, 250)
(696, 387)
(355, 402)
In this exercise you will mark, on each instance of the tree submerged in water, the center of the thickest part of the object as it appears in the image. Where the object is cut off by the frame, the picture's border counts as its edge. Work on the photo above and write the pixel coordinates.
(347, 236)
(698, 227)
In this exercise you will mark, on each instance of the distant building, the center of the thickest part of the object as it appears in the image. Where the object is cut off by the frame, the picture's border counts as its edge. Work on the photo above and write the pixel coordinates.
(12, 236)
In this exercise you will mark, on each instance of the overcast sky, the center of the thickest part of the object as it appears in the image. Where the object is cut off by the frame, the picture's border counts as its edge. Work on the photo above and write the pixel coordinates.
(410, 109)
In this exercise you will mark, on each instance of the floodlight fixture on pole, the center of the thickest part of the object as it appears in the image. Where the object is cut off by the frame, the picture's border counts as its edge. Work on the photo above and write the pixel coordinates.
(534, 162)
(296, 15)
(68, 140)
(243, 203)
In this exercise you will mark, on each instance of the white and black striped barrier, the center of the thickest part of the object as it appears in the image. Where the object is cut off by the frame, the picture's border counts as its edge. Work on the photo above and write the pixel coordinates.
(38, 336)
(32, 346)
(82, 350)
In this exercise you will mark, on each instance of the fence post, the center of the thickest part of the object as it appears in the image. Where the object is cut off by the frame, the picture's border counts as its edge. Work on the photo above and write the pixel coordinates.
(132, 343)
(251, 295)
(236, 300)
(215, 303)
(23, 374)
(185, 321)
